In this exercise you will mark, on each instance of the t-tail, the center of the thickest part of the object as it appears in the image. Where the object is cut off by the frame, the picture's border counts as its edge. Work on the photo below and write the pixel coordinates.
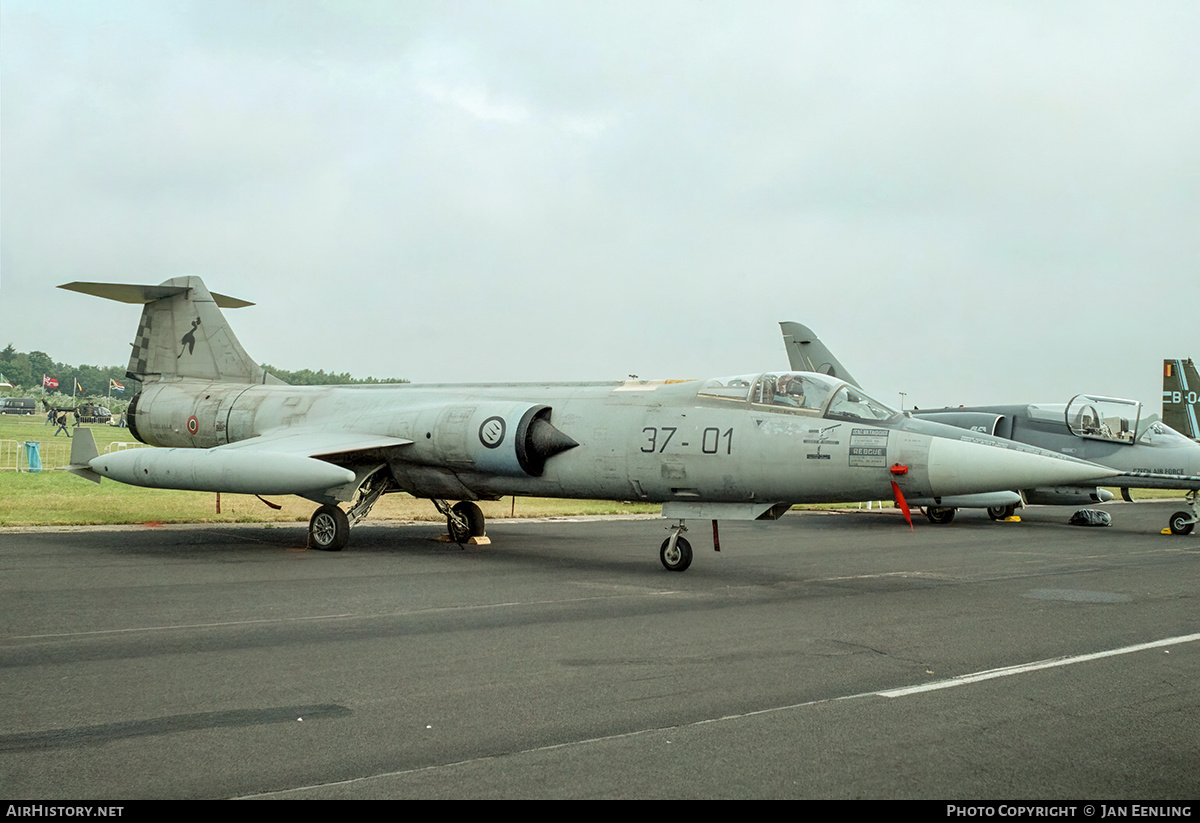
(1181, 397)
(182, 333)
(807, 353)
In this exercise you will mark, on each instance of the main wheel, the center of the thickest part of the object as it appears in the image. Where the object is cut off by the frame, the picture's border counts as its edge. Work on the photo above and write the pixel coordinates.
(1001, 512)
(1179, 523)
(470, 522)
(940, 516)
(677, 560)
(329, 529)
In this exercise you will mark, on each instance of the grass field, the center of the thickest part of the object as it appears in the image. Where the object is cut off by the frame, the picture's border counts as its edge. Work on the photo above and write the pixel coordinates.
(54, 497)
(57, 498)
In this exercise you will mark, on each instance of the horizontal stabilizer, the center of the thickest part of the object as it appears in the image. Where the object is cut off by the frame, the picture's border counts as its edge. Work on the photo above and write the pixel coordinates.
(130, 293)
(182, 333)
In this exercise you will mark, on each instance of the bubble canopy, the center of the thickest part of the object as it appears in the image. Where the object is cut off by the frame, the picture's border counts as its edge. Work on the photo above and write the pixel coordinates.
(801, 393)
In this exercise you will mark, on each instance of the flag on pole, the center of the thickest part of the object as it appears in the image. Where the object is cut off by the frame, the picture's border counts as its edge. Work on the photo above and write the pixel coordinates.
(49, 382)
(78, 388)
(113, 385)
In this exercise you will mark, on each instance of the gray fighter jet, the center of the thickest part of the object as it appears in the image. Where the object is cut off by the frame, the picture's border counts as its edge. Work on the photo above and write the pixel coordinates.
(1181, 397)
(1108, 431)
(739, 448)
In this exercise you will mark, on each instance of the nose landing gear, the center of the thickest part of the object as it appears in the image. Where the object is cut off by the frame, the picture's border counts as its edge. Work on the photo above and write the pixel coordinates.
(676, 552)
(1184, 522)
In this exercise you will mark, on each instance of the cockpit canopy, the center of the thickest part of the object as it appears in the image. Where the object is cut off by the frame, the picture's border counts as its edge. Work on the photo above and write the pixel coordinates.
(1159, 434)
(806, 393)
(1103, 418)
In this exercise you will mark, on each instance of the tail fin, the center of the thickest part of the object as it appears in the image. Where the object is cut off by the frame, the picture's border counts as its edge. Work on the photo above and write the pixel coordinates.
(1181, 397)
(182, 332)
(83, 452)
(807, 353)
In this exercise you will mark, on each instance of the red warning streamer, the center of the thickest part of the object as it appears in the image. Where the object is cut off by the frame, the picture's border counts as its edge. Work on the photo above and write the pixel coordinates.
(902, 503)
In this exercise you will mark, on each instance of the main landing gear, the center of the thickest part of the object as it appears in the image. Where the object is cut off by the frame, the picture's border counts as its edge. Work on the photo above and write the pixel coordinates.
(329, 529)
(1184, 522)
(939, 515)
(1001, 512)
(464, 522)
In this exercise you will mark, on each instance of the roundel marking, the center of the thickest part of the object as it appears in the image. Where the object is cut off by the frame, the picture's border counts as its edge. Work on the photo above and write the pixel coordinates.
(491, 432)
(193, 425)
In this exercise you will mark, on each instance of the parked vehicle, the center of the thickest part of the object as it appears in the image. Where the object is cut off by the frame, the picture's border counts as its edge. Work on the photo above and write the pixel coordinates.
(92, 413)
(18, 405)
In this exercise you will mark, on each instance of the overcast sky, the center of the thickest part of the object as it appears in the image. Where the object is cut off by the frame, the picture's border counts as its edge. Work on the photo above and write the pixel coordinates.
(971, 202)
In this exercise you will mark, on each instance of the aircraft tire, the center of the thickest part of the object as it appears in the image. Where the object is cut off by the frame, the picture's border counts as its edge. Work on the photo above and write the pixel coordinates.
(329, 529)
(939, 516)
(678, 560)
(473, 516)
(1001, 512)
(1179, 523)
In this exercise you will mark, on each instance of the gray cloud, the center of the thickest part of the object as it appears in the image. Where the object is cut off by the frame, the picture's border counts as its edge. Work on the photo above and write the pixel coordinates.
(971, 202)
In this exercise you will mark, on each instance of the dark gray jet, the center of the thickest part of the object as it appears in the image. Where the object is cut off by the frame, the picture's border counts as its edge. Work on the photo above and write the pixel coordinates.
(1104, 430)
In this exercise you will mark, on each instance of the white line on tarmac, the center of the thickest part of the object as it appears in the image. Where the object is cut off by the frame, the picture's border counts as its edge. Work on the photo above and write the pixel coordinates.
(965, 679)
(962, 680)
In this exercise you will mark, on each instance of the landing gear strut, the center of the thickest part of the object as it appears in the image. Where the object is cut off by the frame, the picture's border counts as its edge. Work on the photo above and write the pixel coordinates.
(1184, 522)
(676, 552)
(464, 520)
(329, 527)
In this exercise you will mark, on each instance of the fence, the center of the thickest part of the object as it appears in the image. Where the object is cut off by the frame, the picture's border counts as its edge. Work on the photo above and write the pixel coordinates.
(53, 454)
(11, 452)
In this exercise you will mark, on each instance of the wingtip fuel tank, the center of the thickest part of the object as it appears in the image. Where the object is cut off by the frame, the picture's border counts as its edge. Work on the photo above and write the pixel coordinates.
(214, 470)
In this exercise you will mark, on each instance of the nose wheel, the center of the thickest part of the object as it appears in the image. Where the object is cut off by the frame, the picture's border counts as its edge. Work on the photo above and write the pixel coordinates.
(676, 552)
(1184, 522)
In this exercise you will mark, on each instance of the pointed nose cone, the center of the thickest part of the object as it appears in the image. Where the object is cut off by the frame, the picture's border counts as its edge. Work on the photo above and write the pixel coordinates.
(961, 467)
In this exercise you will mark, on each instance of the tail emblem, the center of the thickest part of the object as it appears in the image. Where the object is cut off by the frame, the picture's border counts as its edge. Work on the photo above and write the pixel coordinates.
(189, 340)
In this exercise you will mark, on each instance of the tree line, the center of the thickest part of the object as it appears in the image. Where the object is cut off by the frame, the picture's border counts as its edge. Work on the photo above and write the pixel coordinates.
(26, 369)
(307, 377)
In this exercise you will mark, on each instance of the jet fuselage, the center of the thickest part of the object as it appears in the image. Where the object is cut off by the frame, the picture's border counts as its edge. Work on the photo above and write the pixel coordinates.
(640, 440)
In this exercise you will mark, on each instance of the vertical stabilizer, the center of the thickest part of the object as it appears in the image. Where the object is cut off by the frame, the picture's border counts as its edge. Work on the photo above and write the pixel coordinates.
(1181, 397)
(182, 333)
(807, 353)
